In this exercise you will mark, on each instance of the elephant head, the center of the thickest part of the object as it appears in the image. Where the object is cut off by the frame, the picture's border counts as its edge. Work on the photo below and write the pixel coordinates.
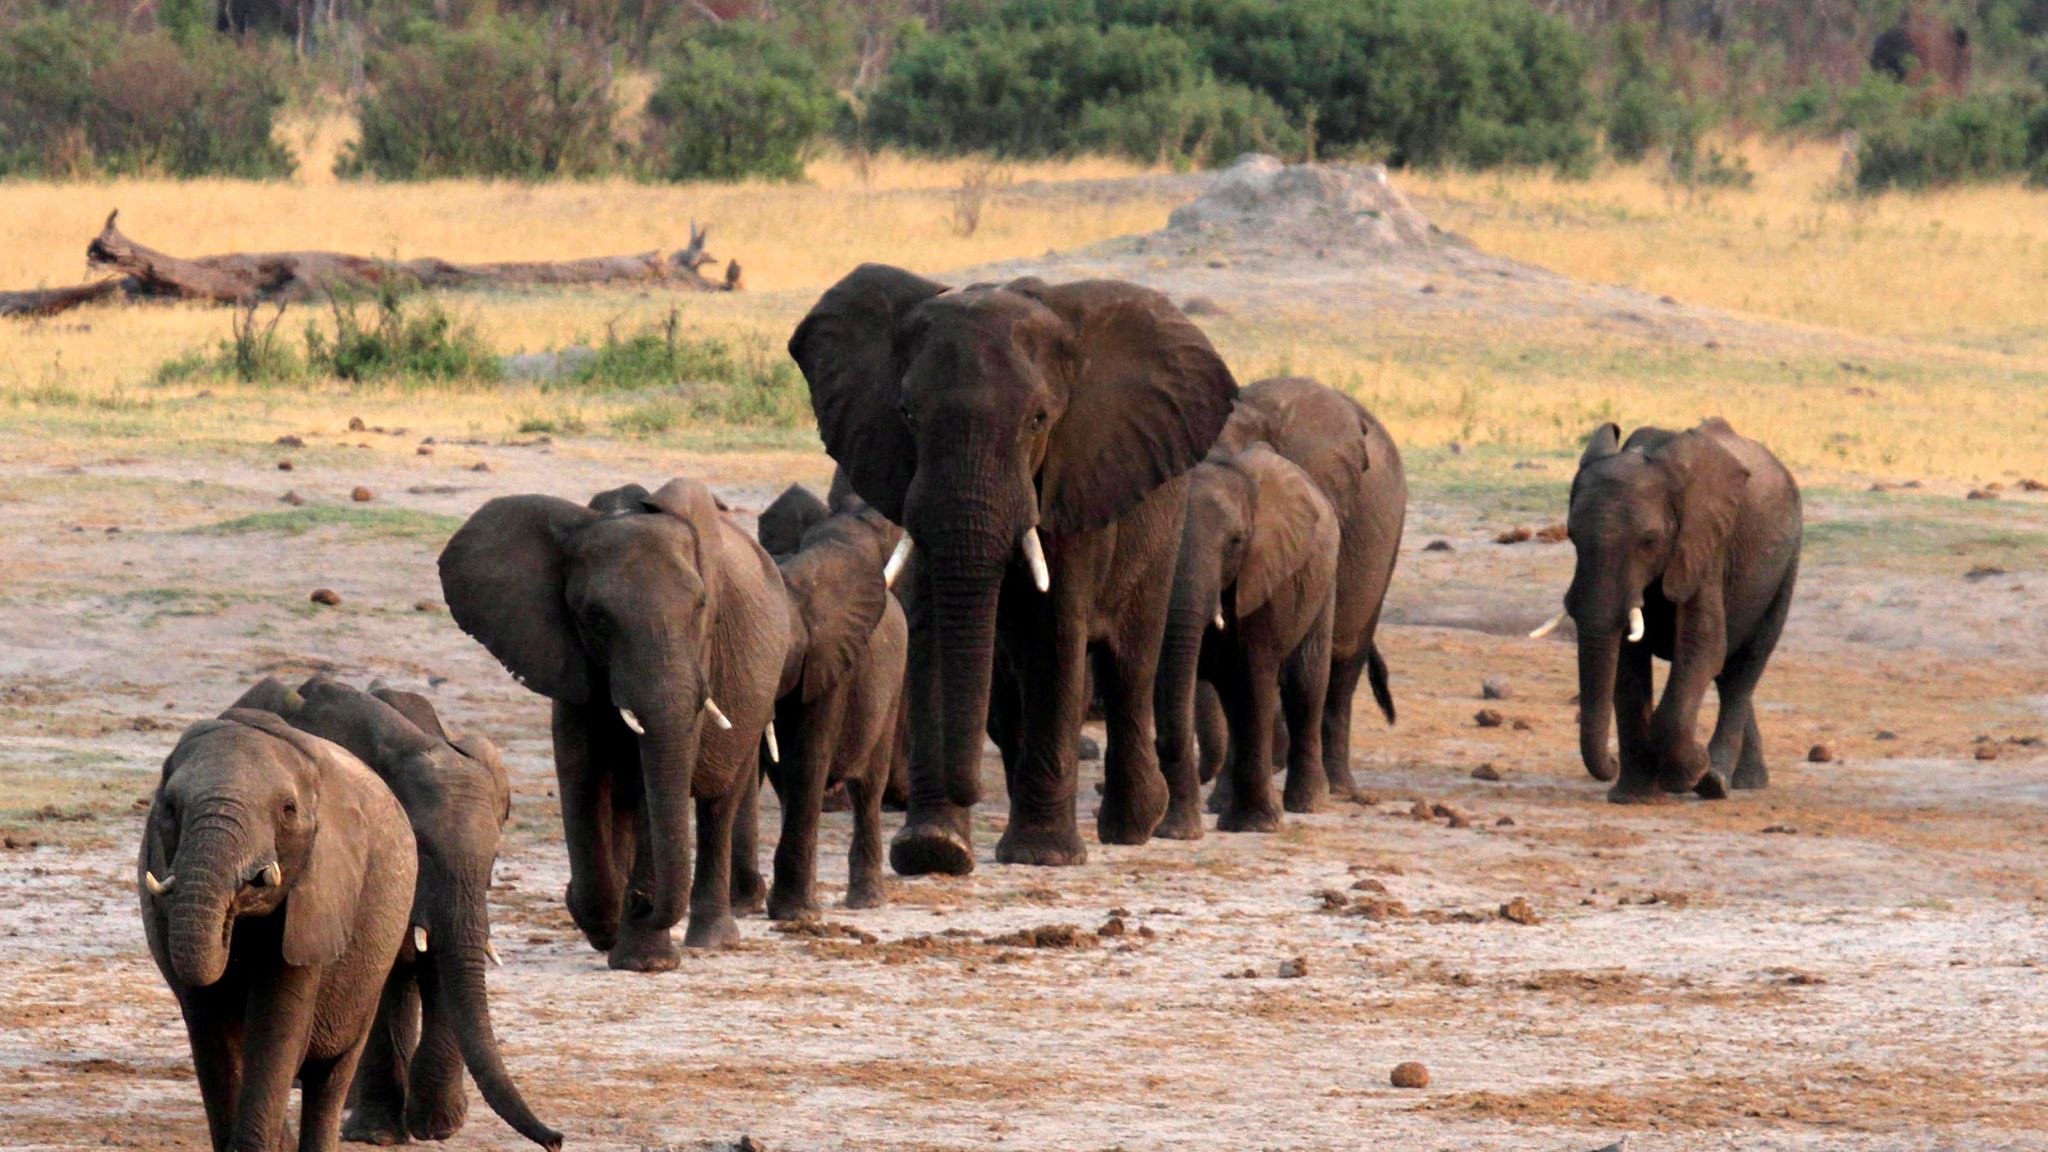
(976, 417)
(1255, 523)
(1649, 519)
(250, 816)
(783, 522)
(837, 597)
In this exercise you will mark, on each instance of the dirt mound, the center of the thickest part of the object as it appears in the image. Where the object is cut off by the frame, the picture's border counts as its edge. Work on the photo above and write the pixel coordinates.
(1312, 203)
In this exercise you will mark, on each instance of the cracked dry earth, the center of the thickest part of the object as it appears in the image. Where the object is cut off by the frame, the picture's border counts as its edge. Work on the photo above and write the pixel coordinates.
(1854, 959)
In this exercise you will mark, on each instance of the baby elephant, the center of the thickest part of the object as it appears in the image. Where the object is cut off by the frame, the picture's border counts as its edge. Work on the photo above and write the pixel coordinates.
(1688, 548)
(276, 873)
(1253, 603)
(842, 683)
(435, 1018)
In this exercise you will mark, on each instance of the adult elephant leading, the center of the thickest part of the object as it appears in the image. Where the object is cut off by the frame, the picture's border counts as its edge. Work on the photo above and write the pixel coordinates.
(1032, 439)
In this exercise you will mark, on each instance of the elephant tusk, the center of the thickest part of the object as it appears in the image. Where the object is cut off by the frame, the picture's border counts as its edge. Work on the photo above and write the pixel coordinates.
(897, 560)
(1635, 625)
(419, 938)
(717, 714)
(1034, 555)
(1222, 625)
(491, 950)
(158, 887)
(632, 721)
(1547, 627)
(774, 752)
(271, 876)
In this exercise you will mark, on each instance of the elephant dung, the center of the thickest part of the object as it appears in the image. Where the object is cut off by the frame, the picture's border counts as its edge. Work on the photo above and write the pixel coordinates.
(1495, 688)
(1410, 1074)
(1820, 754)
(1488, 718)
(1487, 772)
(1293, 969)
(362, 495)
(1519, 911)
(327, 596)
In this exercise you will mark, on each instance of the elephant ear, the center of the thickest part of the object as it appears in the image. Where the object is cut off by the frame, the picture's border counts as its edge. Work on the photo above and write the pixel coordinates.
(320, 909)
(1707, 486)
(1147, 397)
(270, 695)
(503, 575)
(852, 355)
(613, 501)
(782, 524)
(839, 594)
(1292, 526)
(415, 708)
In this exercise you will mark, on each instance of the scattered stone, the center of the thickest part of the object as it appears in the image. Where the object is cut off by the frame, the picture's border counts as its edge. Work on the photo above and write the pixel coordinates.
(289, 442)
(1422, 811)
(1458, 820)
(480, 466)
(1293, 969)
(1495, 688)
(1409, 1074)
(1519, 911)
(749, 1144)
(1242, 974)
(1487, 718)
(1065, 936)
(1088, 749)
(2033, 486)
(1368, 884)
(327, 596)
(1887, 734)
(1781, 830)
(1112, 927)
(424, 450)
(284, 465)
(1378, 909)
(1515, 535)
(1987, 751)
(1333, 900)
(1554, 534)
(361, 495)
(1504, 822)
(426, 606)
(1981, 494)
(1203, 306)
(1487, 772)
(1429, 289)
(1820, 754)
(817, 929)
(355, 424)
(292, 498)
(1983, 572)
(1521, 725)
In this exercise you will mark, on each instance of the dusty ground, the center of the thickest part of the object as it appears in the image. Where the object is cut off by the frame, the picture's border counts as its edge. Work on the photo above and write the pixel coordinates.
(1853, 959)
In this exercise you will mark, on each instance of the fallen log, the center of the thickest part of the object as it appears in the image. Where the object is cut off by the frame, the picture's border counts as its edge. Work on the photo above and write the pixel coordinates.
(243, 278)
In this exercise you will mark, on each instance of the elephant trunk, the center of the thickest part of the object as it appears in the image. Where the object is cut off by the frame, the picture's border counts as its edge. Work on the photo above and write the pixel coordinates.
(460, 969)
(966, 579)
(1599, 657)
(1195, 604)
(668, 758)
(201, 907)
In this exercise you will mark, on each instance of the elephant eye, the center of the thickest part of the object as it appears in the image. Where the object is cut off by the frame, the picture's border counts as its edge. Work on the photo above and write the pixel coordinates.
(909, 417)
(291, 807)
(1038, 422)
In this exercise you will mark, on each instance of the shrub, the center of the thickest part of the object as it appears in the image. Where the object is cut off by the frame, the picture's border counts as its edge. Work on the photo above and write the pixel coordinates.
(1971, 138)
(707, 378)
(399, 342)
(501, 97)
(1204, 124)
(734, 103)
(1644, 110)
(80, 97)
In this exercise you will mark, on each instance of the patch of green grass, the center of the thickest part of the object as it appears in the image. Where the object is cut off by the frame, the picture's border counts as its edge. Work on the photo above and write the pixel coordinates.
(402, 523)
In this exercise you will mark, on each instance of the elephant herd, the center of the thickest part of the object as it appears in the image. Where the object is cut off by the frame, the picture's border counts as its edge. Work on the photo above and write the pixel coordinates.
(1047, 497)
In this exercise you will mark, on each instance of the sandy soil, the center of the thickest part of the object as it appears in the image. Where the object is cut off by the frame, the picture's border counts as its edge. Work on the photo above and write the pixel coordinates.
(1853, 959)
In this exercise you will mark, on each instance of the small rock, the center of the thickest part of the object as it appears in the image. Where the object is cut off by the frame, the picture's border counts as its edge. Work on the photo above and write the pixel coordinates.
(1521, 725)
(1553, 534)
(1087, 748)
(424, 450)
(1203, 306)
(1368, 884)
(426, 606)
(1887, 734)
(292, 498)
(1981, 494)
(362, 495)
(1983, 572)
(2033, 486)
(1458, 820)
(1293, 969)
(1519, 911)
(1428, 289)
(355, 424)
(327, 596)
(1504, 822)
(289, 442)
(284, 465)
(1409, 1074)
(1515, 535)
(1438, 546)
(1820, 754)
(1781, 830)
(1487, 718)
(480, 466)
(1987, 751)
(1333, 900)
(1421, 810)
(1487, 772)
(1495, 688)
(1114, 926)
(749, 1144)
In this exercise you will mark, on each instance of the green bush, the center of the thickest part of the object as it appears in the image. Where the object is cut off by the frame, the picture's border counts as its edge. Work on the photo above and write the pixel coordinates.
(733, 103)
(703, 378)
(1645, 111)
(81, 97)
(1954, 141)
(1205, 124)
(500, 97)
(399, 342)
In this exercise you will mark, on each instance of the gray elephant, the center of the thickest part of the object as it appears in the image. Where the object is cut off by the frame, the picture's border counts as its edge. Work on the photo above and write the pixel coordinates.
(841, 693)
(658, 628)
(1355, 463)
(1254, 599)
(435, 1017)
(276, 874)
(1688, 549)
(1032, 440)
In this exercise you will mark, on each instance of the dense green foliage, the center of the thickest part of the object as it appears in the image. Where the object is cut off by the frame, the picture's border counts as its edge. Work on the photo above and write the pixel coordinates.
(734, 102)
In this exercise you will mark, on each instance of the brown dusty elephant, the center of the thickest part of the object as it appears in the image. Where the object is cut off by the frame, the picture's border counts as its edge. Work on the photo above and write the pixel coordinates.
(658, 628)
(1688, 549)
(1254, 598)
(1031, 439)
(1924, 44)
(276, 874)
(841, 691)
(435, 1016)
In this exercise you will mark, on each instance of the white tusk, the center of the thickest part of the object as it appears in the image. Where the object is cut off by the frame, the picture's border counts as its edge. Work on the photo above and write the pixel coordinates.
(491, 950)
(1034, 555)
(1221, 624)
(1635, 625)
(272, 875)
(158, 887)
(897, 560)
(717, 714)
(774, 752)
(632, 721)
(419, 938)
(1547, 627)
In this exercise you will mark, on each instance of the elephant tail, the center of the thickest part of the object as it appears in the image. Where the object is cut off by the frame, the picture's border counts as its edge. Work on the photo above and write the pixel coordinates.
(1376, 671)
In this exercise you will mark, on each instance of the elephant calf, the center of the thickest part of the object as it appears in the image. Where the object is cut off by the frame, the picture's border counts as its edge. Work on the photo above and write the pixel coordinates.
(1254, 598)
(435, 1018)
(276, 874)
(1688, 549)
(841, 692)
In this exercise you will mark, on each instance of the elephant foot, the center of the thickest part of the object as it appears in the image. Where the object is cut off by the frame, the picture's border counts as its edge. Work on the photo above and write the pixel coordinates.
(1248, 819)
(1305, 796)
(1183, 821)
(863, 894)
(600, 929)
(1129, 815)
(708, 933)
(1342, 785)
(1711, 787)
(749, 894)
(1054, 844)
(645, 950)
(1750, 777)
(792, 905)
(439, 1121)
(378, 1123)
(1628, 791)
(933, 843)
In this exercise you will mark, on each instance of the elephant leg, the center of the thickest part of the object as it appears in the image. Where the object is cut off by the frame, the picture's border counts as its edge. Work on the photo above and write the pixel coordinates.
(711, 920)
(896, 796)
(1212, 728)
(439, 1102)
(1634, 698)
(1343, 686)
(937, 834)
(1750, 770)
(377, 1098)
(1251, 699)
(1052, 673)
(323, 1092)
(1133, 788)
(213, 1026)
(864, 858)
(1697, 657)
(583, 777)
(1739, 679)
(276, 1025)
(749, 890)
(1304, 686)
(812, 735)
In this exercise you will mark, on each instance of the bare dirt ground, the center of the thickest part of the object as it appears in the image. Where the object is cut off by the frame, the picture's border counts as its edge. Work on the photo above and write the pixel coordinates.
(1853, 959)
